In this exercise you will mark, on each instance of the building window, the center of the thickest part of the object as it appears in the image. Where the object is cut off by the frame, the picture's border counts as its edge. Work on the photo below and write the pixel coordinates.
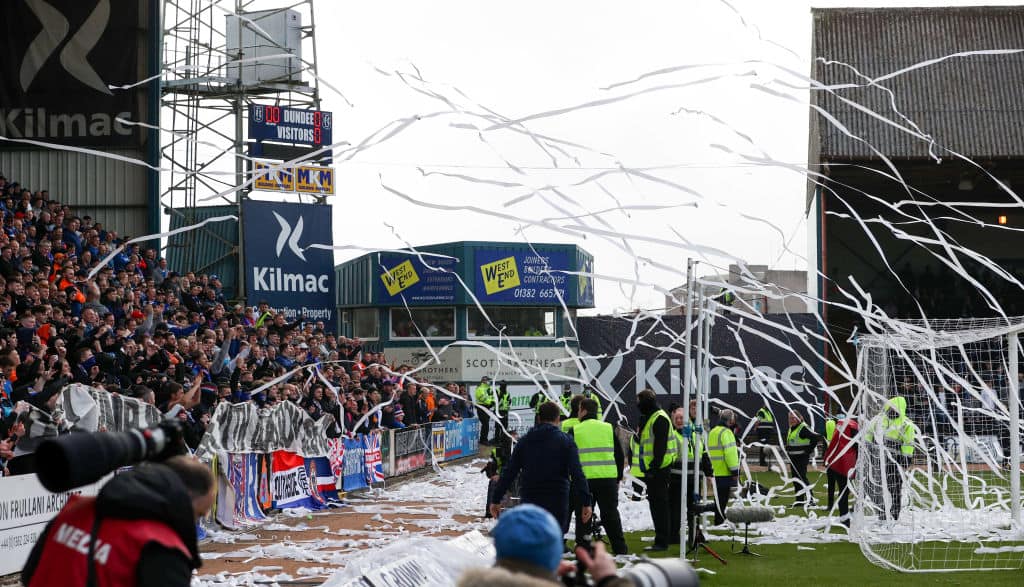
(366, 323)
(512, 321)
(423, 322)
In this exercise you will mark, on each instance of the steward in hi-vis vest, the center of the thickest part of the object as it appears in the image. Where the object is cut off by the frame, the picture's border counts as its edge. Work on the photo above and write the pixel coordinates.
(653, 455)
(602, 460)
(725, 461)
(898, 434)
(574, 408)
(800, 443)
(484, 400)
(765, 434)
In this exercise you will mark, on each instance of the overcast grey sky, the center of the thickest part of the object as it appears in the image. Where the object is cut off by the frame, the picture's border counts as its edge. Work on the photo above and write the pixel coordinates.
(527, 57)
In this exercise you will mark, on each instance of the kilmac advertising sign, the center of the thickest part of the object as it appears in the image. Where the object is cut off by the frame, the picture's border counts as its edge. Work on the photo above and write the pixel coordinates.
(61, 65)
(281, 267)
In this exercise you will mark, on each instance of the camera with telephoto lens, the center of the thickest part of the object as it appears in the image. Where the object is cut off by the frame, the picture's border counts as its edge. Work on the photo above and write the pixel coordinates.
(77, 459)
(591, 534)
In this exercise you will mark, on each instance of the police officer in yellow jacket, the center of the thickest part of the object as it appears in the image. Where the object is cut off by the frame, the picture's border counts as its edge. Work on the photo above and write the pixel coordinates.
(483, 397)
(602, 459)
(653, 456)
(725, 461)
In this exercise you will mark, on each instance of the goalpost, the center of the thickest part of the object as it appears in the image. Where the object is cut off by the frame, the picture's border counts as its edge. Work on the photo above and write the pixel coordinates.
(937, 485)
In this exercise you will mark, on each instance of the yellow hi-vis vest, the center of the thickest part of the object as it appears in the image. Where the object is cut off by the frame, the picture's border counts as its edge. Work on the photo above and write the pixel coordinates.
(569, 423)
(723, 453)
(482, 395)
(596, 443)
(830, 429)
(793, 439)
(643, 452)
(900, 430)
(765, 416)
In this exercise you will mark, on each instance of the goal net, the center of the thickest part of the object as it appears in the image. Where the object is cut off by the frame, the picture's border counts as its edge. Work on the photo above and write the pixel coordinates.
(937, 485)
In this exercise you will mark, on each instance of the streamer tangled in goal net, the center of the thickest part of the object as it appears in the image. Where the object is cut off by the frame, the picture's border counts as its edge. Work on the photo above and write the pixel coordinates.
(938, 480)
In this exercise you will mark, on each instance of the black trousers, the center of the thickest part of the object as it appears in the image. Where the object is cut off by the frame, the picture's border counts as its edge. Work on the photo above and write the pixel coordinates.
(657, 481)
(894, 482)
(556, 504)
(485, 423)
(605, 493)
(841, 484)
(765, 435)
(675, 487)
(798, 468)
(833, 482)
(723, 492)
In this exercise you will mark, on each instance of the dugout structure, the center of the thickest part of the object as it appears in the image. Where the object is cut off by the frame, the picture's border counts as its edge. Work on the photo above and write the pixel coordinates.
(937, 485)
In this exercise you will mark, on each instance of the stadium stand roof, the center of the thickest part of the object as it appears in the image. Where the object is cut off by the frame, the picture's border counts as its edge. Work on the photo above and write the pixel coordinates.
(972, 104)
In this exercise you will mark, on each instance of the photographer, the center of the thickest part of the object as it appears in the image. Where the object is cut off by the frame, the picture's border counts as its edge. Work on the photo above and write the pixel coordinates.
(528, 552)
(140, 529)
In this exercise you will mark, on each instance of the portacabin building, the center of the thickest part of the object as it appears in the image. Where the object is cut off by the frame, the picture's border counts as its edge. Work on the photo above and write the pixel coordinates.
(459, 311)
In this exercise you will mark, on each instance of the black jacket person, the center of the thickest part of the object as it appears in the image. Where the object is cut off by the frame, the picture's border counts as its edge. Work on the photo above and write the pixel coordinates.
(544, 460)
(141, 530)
(653, 456)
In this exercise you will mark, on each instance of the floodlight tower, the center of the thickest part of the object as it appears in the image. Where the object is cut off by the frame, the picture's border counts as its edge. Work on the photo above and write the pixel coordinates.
(220, 57)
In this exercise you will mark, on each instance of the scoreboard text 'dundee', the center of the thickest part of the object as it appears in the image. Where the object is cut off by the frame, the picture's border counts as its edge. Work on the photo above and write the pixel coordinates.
(290, 125)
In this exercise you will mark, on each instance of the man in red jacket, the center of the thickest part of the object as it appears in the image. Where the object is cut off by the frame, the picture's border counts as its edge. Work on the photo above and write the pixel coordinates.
(139, 530)
(841, 463)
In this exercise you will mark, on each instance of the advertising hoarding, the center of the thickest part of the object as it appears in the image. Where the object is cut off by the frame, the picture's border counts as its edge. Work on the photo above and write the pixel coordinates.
(281, 267)
(514, 276)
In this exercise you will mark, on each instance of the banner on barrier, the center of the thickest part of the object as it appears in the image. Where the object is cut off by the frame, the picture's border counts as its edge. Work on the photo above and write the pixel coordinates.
(322, 483)
(244, 428)
(374, 462)
(25, 509)
(437, 441)
(289, 482)
(454, 442)
(409, 441)
(471, 436)
(407, 463)
(238, 502)
(353, 465)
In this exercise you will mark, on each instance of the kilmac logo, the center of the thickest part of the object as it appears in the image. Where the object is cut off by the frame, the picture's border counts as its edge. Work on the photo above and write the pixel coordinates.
(275, 279)
(73, 56)
(290, 236)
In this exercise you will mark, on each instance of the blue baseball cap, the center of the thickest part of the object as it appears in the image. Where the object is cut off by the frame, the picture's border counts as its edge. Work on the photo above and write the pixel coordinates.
(528, 533)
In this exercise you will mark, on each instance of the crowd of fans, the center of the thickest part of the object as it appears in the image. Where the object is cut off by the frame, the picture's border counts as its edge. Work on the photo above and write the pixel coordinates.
(167, 337)
(941, 293)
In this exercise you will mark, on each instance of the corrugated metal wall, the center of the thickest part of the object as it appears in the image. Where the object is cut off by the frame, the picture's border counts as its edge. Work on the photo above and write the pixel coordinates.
(210, 249)
(111, 191)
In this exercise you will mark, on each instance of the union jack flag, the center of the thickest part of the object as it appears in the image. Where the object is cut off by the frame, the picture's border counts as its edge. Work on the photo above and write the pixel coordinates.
(336, 456)
(374, 463)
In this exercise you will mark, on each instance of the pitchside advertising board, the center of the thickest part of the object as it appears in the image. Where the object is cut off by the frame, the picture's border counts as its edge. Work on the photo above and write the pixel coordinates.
(59, 61)
(25, 509)
(629, 358)
(281, 268)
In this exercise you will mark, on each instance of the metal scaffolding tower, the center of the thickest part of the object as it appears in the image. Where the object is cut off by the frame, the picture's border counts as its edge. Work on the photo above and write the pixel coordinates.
(220, 56)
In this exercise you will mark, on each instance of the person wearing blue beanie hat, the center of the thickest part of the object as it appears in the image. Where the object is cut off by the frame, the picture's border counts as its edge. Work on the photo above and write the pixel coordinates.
(528, 533)
(528, 548)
